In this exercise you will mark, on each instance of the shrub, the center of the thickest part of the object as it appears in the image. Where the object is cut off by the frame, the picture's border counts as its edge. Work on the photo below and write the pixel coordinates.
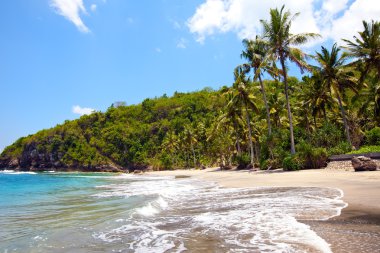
(319, 158)
(372, 137)
(327, 136)
(310, 157)
(291, 163)
(341, 148)
(270, 163)
(366, 149)
(242, 160)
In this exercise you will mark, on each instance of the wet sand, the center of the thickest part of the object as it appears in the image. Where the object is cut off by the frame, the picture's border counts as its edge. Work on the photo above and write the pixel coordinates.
(357, 229)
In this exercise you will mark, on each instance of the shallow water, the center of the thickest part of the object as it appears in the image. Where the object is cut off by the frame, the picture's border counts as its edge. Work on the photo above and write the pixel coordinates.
(76, 212)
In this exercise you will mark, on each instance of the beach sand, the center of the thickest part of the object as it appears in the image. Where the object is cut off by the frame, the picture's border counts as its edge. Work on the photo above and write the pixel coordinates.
(357, 229)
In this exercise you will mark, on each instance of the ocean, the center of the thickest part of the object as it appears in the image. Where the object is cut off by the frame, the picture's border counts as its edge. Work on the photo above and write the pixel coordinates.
(100, 212)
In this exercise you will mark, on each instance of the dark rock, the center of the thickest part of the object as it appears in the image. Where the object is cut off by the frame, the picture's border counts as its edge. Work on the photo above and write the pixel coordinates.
(362, 163)
(137, 172)
(225, 167)
(149, 169)
(107, 168)
(14, 163)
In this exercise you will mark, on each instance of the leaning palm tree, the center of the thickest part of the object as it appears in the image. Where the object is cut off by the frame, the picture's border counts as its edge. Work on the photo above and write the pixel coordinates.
(366, 49)
(242, 98)
(336, 78)
(281, 46)
(256, 54)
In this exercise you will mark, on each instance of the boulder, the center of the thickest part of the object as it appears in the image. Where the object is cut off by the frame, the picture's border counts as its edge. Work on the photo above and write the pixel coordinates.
(362, 163)
(137, 172)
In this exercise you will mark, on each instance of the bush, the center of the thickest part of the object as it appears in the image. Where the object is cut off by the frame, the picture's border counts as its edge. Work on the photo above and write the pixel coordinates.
(319, 158)
(327, 136)
(242, 160)
(341, 148)
(366, 149)
(310, 157)
(270, 163)
(372, 137)
(291, 163)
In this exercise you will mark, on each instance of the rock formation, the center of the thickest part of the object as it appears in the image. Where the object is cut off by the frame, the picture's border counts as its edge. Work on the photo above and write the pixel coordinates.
(362, 163)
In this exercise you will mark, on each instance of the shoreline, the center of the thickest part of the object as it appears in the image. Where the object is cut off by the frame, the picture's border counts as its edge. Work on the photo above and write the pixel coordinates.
(356, 229)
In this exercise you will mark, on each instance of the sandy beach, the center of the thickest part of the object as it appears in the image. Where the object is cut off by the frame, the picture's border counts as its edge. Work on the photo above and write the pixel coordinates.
(357, 229)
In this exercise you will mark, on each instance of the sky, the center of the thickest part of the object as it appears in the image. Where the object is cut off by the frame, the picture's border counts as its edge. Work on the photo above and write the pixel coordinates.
(60, 59)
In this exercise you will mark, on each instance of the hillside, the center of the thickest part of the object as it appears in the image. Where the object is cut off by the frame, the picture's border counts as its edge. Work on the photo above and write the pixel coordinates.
(126, 137)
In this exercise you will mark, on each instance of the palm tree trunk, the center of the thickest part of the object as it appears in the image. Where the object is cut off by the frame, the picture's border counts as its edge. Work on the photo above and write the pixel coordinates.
(292, 146)
(266, 105)
(194, 158)
(307, 126)
(257, 150)
(324, 114)
(250, 138)
(229, 157)
(343, 112)
(237, 139)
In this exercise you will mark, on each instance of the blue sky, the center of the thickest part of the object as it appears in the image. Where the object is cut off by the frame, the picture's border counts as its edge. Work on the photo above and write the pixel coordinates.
(59, 57)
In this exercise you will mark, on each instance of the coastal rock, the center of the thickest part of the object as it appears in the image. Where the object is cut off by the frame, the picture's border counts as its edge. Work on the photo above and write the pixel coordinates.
(137, 172)
(13, 164)
(362, 163)
(225, 167)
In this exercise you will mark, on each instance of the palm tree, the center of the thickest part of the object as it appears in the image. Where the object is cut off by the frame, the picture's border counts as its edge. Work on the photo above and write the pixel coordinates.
(190, 139)
(242, 98)
(281, 42)
(256, 54)
(366, 48)
(368, 100)
(171, 144)
(315, 96)
(232, 116)
(336, 78)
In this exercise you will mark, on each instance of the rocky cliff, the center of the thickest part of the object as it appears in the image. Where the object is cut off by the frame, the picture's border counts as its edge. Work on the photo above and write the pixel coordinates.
(33, 159)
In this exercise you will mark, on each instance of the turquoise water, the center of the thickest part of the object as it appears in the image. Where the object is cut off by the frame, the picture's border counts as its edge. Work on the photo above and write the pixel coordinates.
(82, 212)
(47, 212)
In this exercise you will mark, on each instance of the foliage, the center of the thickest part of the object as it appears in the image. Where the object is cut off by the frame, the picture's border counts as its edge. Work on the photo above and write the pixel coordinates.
(372, 137)
(291, 163)
(340, 148)
(366, 149)
(242, 160)
(311, 157)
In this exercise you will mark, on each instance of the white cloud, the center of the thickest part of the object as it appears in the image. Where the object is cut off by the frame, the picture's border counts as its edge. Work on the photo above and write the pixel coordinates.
(82, 110)
(93, 7)
(71, 9)
(333, 19)
(350, 22)
(182, 43)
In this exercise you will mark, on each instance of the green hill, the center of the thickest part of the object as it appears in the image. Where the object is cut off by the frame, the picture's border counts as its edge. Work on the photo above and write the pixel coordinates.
(124, 137)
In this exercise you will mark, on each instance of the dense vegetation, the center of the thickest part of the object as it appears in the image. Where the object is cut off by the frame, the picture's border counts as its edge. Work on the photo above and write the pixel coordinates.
(278, 122)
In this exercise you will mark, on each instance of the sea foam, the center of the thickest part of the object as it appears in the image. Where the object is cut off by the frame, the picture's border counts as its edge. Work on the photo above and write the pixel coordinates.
(185, 214)
(13, 172)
